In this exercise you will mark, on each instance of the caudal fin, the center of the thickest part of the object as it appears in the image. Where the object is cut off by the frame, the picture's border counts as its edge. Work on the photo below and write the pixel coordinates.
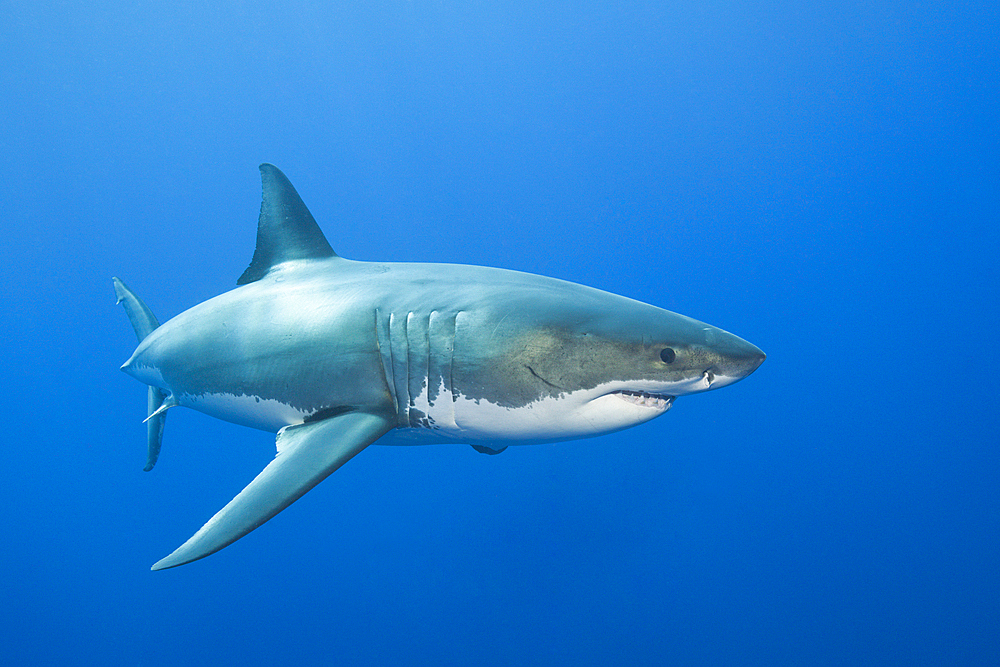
(142, 318)
(144, 322)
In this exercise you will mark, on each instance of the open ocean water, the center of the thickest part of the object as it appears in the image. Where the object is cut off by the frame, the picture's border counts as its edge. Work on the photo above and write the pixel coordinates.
(819, 178)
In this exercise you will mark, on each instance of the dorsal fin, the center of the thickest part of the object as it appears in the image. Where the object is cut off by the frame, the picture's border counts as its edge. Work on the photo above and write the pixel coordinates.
(286, 229)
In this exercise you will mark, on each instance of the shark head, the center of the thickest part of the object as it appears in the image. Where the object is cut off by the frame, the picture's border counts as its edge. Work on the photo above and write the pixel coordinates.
(573, 362)
(649, 362)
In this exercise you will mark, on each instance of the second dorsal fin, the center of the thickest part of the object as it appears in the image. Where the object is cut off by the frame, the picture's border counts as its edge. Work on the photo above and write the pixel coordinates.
(286, 230)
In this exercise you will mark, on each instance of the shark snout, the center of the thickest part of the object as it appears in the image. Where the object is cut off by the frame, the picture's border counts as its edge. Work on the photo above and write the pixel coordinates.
(735, 359)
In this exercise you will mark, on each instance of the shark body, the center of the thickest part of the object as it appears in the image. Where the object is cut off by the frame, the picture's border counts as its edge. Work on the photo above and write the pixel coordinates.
(334, 355)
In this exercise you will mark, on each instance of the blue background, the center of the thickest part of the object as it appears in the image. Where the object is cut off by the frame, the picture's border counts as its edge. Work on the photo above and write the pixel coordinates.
(820, 178)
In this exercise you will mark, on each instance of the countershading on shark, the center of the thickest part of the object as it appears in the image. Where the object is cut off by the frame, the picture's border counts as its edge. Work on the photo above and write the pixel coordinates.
(334, 355)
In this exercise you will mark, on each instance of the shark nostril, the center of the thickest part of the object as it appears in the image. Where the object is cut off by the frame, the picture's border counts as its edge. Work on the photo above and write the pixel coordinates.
(709, 377)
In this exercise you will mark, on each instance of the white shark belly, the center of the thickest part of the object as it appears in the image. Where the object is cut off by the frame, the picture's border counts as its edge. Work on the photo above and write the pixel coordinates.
(266, 414)
(582, 414)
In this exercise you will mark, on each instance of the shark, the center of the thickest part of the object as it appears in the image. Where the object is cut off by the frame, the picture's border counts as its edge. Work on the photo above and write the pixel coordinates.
(334, 355)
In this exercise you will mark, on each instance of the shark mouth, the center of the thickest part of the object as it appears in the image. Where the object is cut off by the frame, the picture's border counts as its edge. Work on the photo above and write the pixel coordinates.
(645, 399)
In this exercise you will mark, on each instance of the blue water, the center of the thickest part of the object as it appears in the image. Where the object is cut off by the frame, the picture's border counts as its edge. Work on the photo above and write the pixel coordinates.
(819, 178)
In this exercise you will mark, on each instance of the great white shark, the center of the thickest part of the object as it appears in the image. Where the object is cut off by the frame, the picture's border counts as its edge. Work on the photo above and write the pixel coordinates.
(334, 355)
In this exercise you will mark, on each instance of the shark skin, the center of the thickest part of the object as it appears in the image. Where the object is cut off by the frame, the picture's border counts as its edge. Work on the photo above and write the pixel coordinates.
(334, 355)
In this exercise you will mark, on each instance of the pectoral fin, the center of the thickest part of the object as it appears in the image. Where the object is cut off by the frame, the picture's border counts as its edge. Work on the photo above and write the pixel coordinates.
(307, 453)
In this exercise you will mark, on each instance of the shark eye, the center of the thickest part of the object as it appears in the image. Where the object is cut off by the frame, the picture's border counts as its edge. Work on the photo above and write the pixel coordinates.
(667, 355)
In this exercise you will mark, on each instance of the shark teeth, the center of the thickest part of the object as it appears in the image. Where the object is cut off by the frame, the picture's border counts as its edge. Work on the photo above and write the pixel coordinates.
(646, 399)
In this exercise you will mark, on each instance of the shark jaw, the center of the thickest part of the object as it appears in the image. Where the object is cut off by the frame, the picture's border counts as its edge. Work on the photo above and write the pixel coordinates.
(661, 402)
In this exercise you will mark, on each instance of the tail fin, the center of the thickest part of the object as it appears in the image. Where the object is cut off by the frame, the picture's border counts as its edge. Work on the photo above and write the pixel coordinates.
(144, 322)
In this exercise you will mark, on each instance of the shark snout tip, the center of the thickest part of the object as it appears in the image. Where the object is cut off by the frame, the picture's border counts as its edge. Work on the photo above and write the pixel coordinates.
(741, 359)
(753, 357)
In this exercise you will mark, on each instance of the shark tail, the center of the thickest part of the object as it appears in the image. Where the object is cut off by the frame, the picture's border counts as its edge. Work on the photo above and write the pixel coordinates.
(144, 322)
